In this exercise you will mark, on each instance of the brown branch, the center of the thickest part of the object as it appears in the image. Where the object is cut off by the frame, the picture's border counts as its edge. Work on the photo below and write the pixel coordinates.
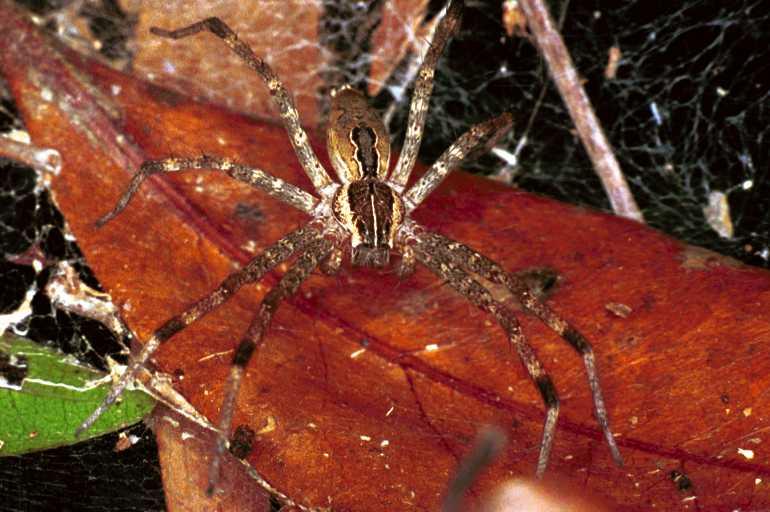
(568, 83)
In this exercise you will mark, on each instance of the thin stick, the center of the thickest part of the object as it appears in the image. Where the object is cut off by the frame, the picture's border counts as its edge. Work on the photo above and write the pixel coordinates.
(567, 82)
(489, 442)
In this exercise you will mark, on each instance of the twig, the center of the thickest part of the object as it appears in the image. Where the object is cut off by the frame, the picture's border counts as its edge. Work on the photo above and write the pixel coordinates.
(489, 443)
(568, 83)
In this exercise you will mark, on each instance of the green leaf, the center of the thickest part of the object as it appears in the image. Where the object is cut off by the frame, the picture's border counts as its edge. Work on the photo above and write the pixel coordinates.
(45, 395)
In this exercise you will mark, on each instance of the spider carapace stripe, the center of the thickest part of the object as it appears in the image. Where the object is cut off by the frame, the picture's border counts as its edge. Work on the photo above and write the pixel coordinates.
(365, 140)
(366, 216)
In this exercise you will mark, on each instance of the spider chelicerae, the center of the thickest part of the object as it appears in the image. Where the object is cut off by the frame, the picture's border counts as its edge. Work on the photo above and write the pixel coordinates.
(369, 210)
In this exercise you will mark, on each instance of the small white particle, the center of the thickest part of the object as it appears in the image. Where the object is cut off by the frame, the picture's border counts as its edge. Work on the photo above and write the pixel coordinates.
(365, 438)
(115, 89)
(749, 454)
(509, 158)
(46, 94)
(717, 214)
(19, 136)
(186, 436)
(747, 412)
(721, 92)
(2, 443)
(326, 455)
(431, 347)
(746, 185)
(688, 498)
(357, 353)
(568, 457)
(390, 411)
(384, 443)
(174, 423)
(655, 113)
(757, 481)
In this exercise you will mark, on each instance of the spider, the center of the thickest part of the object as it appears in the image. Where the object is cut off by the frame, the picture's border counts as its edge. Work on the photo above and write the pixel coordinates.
(367, 211)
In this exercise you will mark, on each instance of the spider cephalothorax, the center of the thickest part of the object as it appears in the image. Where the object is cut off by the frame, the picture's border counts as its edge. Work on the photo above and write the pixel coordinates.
(372, 213)
(369, 211)
(365, 206)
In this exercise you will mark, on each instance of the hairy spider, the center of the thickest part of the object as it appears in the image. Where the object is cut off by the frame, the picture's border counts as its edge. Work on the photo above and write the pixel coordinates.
(371, 210)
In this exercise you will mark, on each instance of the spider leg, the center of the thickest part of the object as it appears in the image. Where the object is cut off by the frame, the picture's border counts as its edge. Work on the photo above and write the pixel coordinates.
(421, 96)
(462, 255)
(258, 178)
(490, 131)
(257, 267)
(286, 287)
(440, 262)
(283, 100)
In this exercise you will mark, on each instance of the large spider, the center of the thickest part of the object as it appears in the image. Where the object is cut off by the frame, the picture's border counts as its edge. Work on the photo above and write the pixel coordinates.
(369, 209)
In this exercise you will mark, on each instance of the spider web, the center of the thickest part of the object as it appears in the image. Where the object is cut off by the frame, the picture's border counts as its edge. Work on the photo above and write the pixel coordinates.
(687, 111)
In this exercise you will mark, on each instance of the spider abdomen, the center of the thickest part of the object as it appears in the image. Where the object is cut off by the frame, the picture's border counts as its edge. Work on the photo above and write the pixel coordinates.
(357, 142)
